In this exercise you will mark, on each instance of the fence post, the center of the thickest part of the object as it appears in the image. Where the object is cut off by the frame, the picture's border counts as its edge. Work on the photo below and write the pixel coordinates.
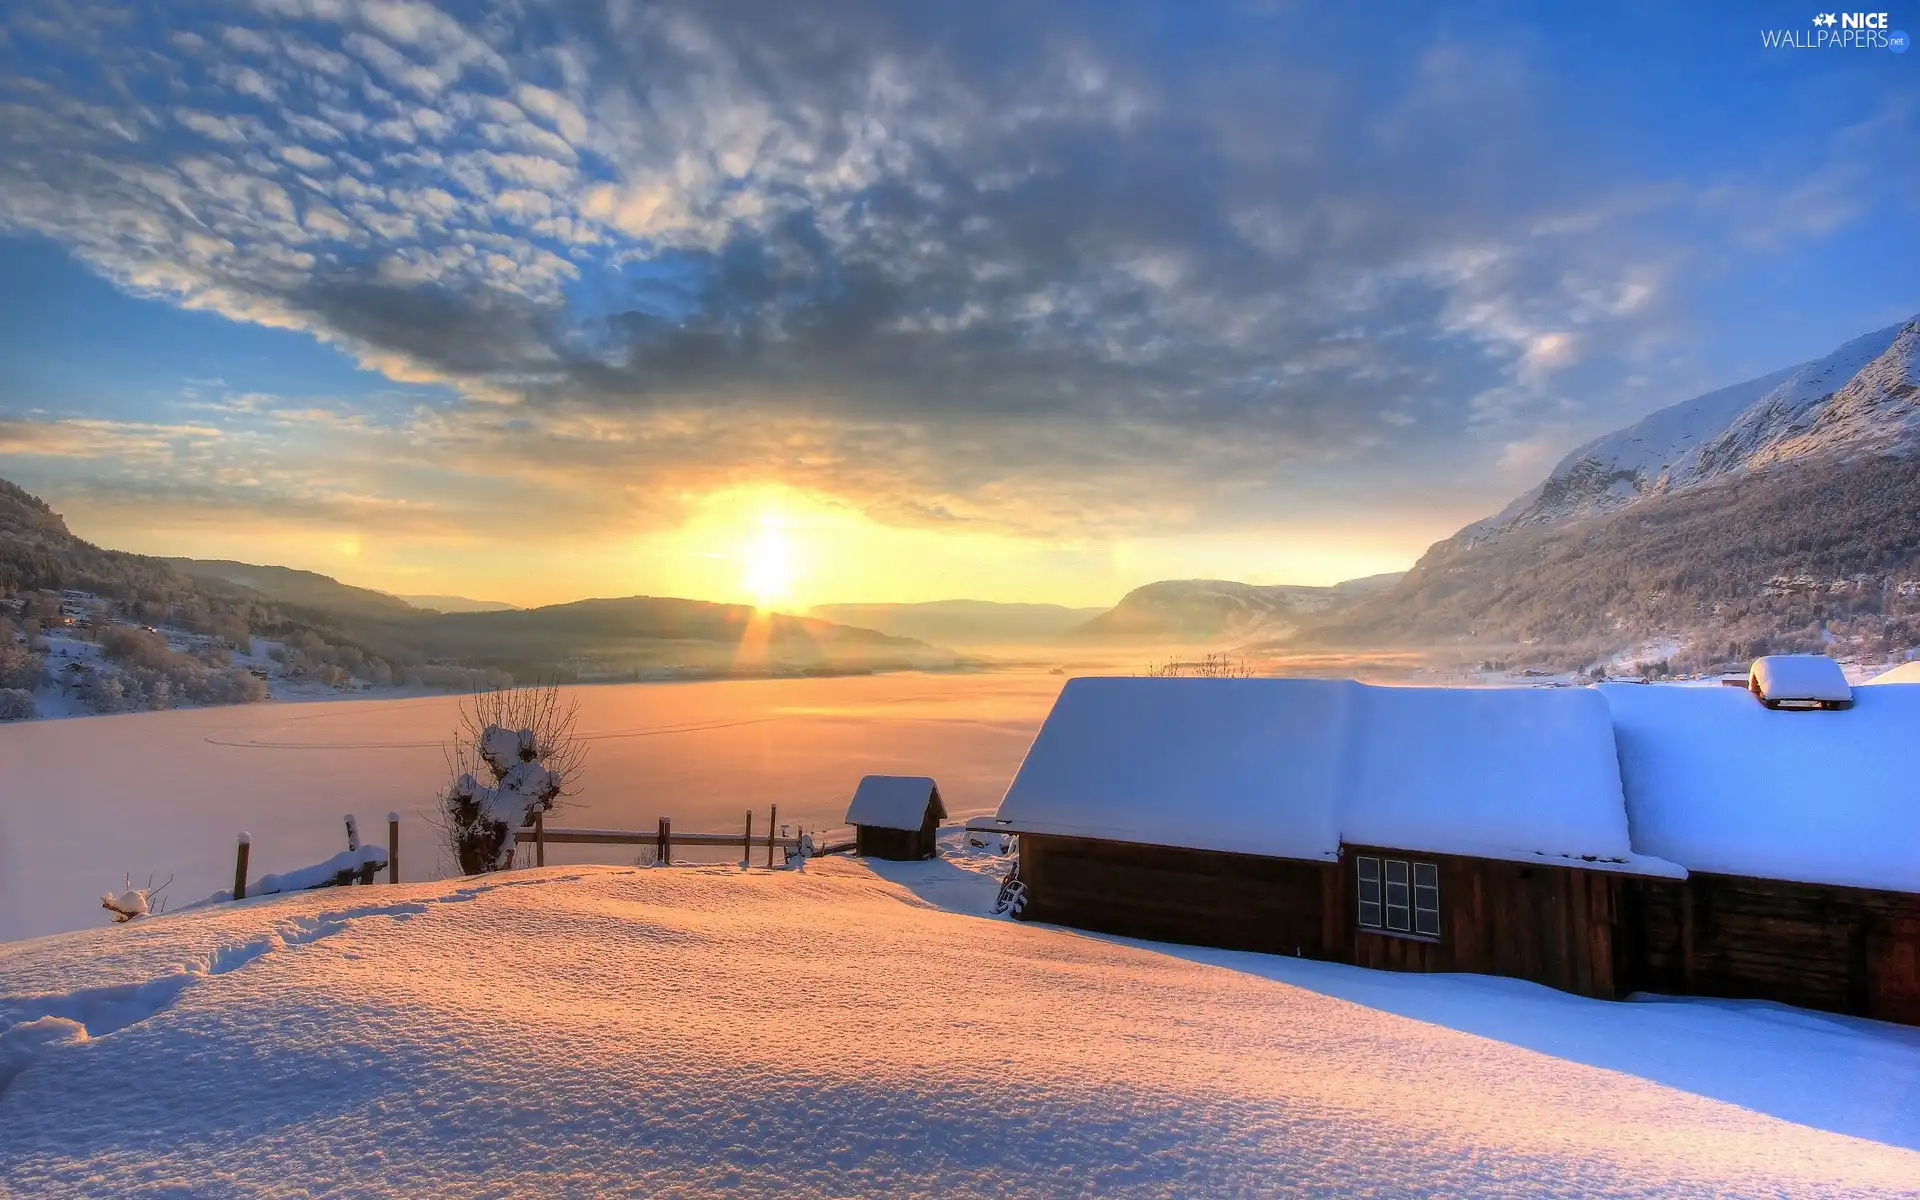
(540, 838)
(773, 818)
(746, 843)
(240, 866)
(353, 833)
(393, 847)
(663, 843)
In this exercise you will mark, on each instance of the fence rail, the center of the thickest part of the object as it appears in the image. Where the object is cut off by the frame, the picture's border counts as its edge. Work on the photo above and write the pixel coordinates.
(636, 837)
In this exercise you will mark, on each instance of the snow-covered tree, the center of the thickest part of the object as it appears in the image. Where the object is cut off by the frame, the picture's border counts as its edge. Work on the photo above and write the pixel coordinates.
(515, 755)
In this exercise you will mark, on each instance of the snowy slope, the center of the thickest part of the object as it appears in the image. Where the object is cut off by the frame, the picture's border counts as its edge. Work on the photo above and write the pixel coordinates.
(1857, 398)
(692, 1031)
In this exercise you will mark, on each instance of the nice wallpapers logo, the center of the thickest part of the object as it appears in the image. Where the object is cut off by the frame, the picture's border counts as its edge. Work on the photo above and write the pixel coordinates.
(1839, 31)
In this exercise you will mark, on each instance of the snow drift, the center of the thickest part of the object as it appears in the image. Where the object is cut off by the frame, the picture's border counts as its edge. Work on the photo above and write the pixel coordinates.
(829, 1034)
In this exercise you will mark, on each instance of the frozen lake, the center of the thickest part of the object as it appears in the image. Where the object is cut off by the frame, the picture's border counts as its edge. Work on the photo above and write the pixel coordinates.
(87, 800)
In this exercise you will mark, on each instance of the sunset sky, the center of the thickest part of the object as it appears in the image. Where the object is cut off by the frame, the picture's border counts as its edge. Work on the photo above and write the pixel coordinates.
(798, 303)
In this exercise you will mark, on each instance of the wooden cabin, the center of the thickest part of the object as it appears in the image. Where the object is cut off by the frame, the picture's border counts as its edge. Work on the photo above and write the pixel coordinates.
(1423, 829)
(896, 816)
(1800, 832)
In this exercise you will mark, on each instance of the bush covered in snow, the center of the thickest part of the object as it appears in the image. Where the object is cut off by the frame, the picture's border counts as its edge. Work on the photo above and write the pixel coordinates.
(513, 757)
(20, 665)
(16, 704)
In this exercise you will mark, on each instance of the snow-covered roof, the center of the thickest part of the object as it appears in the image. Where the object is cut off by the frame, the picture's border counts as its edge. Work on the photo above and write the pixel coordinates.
(1800, 677)
(1719, 783)
(1488, 771)
(894, 801)
(1291, 768)
(1248, 765)
(1904, 673)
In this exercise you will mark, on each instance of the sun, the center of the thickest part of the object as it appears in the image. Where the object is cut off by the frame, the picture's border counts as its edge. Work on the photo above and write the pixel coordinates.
(769, 565)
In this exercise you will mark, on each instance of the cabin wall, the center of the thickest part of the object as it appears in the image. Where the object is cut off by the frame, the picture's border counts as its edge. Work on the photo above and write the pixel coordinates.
(1552, 925)
(872, 841)
(1199, 897)
(1845, 950)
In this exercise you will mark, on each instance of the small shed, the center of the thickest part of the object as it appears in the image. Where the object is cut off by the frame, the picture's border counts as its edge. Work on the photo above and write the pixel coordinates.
(896, 816)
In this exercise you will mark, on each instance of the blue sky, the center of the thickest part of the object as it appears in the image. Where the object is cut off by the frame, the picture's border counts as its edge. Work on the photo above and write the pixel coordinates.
(1052, 299)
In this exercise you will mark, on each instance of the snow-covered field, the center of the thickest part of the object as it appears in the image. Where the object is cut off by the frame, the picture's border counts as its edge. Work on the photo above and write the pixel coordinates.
(860, 1030)
(85, 802)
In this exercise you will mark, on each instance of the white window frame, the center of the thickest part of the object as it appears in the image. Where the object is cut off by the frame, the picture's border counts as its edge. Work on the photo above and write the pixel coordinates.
(1398, 897)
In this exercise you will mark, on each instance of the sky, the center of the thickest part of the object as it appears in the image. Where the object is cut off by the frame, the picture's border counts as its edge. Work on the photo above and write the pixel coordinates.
(799, 303)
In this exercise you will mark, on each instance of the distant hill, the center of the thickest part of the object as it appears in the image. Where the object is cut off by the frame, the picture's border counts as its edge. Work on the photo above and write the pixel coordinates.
(1779, 514)
(451, 604)
(963, 622)
(615, 638)
(307, 588)
(1201, 611)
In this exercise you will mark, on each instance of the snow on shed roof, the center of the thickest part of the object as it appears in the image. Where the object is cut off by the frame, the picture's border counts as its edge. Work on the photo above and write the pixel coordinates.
(1800, 677)
(894, 801)
(1291, 768)
(1904, 673)
(1717, 782)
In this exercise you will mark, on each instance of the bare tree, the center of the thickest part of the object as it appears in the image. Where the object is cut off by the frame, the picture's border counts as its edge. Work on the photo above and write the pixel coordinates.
(515, 754)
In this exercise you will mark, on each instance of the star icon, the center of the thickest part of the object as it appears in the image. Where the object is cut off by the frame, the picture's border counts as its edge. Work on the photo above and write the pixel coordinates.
(1827, 19)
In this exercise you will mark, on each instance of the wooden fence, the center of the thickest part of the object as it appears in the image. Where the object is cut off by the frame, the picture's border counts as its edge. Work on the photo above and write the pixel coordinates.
(664, 839)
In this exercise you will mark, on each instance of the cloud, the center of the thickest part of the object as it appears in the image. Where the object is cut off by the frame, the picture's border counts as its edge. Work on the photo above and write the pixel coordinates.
(1062, 284)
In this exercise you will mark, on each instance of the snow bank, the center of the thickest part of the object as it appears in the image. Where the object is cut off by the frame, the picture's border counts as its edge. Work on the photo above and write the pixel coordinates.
(1291, 768)
(1717, 782)
(344, 865)
(894, 801)
(1249, 765)
(698, 1032)
(1800, 677)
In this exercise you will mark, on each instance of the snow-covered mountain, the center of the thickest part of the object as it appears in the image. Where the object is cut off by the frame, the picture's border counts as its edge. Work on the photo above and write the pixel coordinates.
(1862, 398)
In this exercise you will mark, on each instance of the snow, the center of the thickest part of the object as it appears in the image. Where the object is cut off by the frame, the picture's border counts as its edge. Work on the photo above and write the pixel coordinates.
(894, 801)
(301, 879)
(1904, 673)
(1489, 772)
(1800, 677)
(1291, 768)
(1255, 766)
(1716, 782)
(856, 1031)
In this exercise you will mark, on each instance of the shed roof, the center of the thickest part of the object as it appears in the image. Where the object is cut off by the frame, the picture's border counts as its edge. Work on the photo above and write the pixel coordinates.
(894, 801)
(1717, 782)
(1291, 768)
(1800, 677)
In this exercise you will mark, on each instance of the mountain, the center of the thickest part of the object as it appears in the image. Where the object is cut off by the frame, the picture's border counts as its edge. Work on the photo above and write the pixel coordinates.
(1778, 514)
(619, 638)
(453, 604)
(1199, 611)
(963, 622)
(306, 588)
(1860, 398)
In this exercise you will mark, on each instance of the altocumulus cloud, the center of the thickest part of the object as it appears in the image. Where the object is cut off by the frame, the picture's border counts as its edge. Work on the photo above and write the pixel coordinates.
(1060, 272)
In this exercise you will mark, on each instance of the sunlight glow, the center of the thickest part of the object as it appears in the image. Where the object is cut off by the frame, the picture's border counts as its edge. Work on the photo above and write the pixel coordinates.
(769, 568)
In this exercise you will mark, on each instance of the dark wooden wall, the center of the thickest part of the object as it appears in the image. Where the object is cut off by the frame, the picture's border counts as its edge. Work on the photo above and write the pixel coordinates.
(1845, 950)
(1200, 897)
(1552, 925)
(872, 841)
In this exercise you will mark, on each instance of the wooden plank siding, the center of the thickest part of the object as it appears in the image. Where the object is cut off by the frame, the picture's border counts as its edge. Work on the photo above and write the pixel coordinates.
(1549, 924)
(1166, 894)
(1836, 949)
(1552, 925)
